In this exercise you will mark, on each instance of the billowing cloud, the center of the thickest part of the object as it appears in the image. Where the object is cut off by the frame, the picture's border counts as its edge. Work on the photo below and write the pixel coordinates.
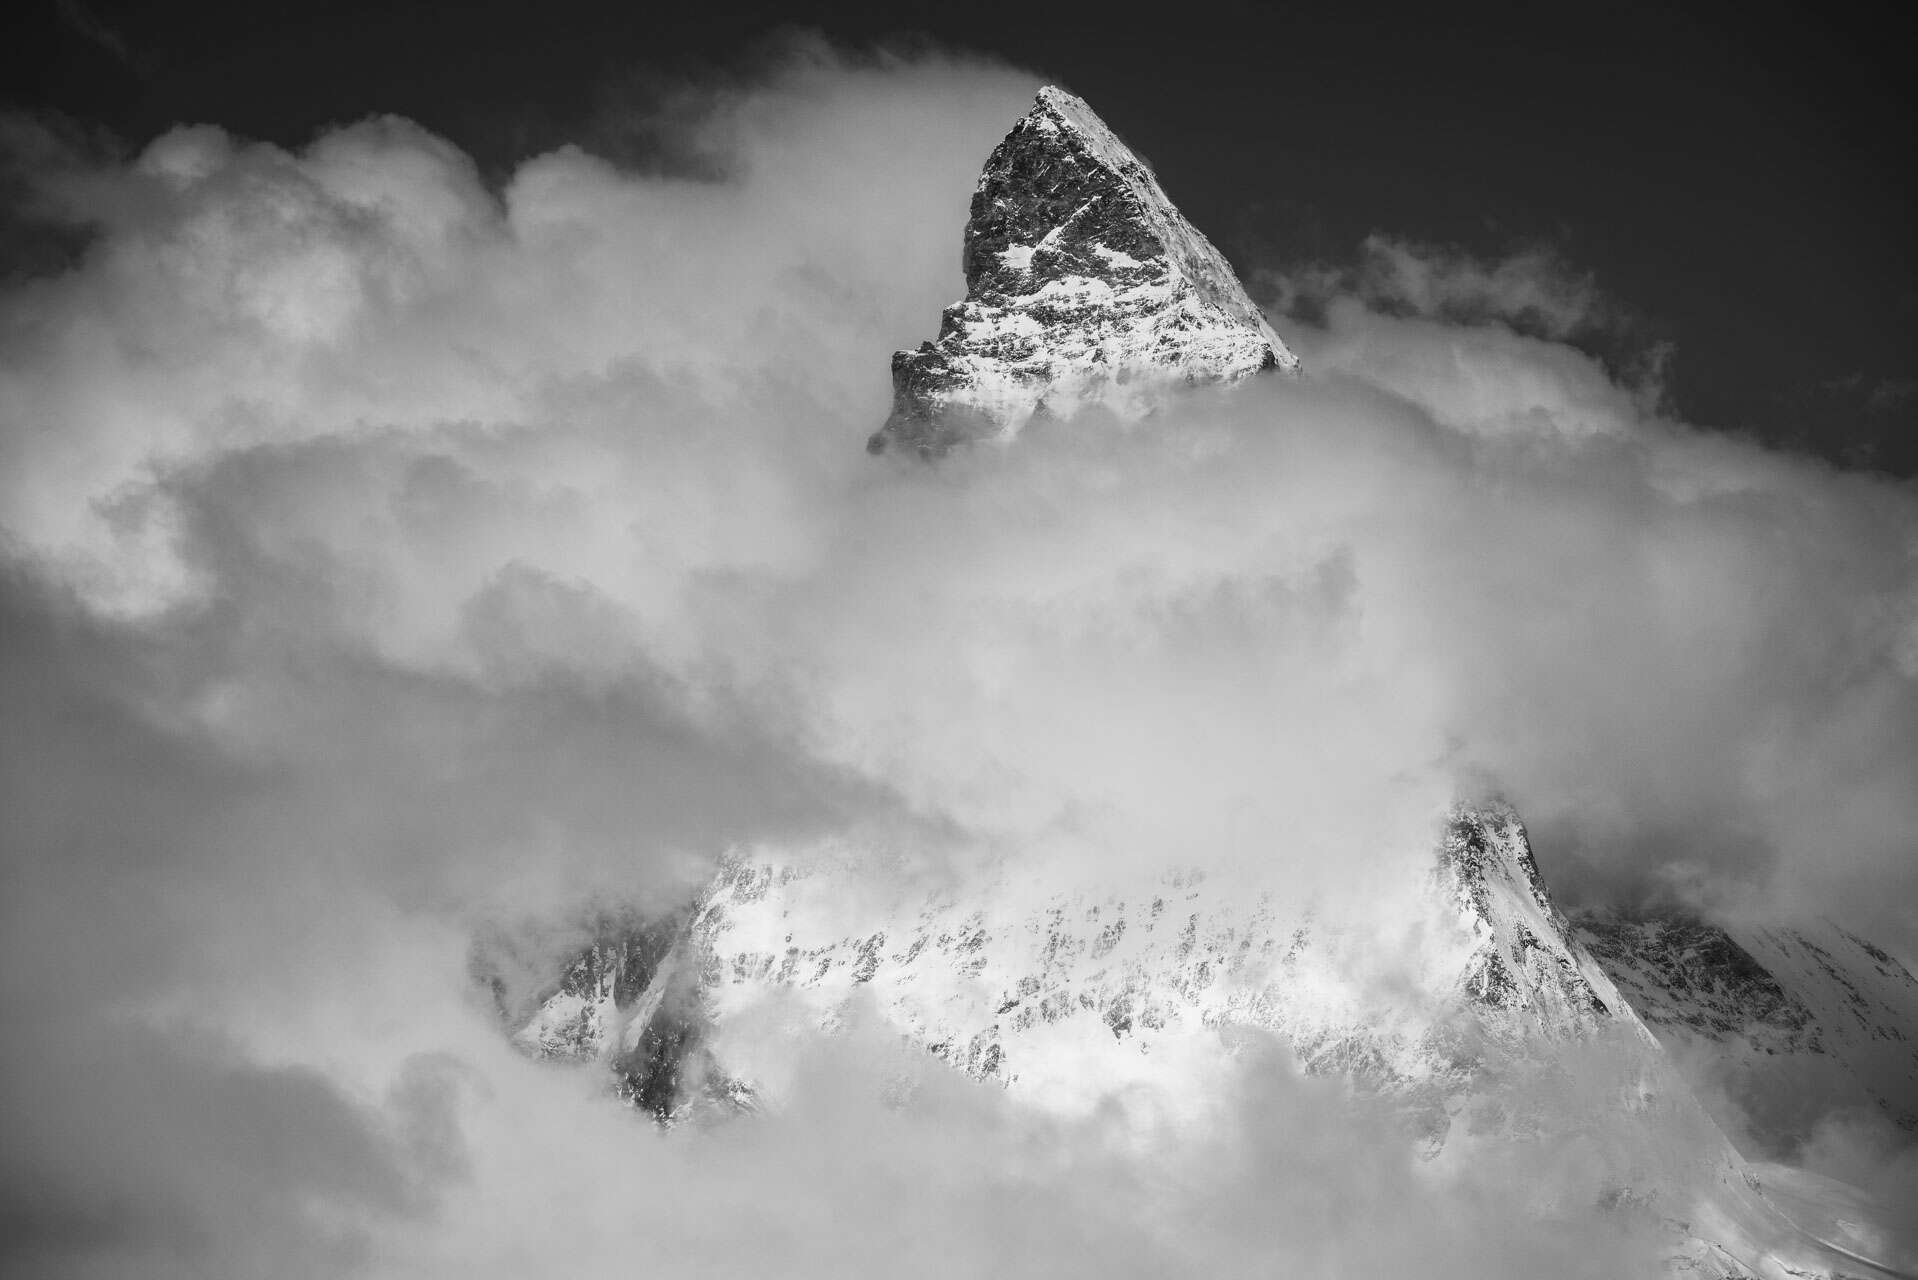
(1534, 290)
(390, 556)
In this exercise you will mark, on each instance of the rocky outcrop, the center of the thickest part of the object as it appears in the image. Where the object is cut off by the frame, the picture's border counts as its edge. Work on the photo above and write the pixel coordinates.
(1085, 287)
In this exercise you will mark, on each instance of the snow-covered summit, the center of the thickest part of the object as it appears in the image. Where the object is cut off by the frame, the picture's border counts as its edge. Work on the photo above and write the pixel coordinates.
(1085, 286)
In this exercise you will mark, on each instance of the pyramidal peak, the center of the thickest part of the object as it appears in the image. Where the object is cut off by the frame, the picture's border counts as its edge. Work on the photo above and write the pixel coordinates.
(1085, 287)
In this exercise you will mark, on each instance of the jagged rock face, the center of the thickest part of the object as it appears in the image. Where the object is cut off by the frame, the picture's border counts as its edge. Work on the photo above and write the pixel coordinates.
(626, 1003)
(1065, 992)
(1778, 1013)
(1529, 959)
(610, 976)
(1084, 286)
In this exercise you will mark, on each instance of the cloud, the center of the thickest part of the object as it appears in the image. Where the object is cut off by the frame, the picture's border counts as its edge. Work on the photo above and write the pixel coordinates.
(1482, 344)
(390, 555)
(138, 1151)
(961, 1180)
(1534, 291)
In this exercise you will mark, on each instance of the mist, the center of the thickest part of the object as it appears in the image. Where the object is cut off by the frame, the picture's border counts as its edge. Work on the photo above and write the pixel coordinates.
(391, 556)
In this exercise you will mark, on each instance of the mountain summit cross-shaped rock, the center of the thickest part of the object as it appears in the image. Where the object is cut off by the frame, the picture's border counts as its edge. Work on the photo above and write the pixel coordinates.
(1085, 287)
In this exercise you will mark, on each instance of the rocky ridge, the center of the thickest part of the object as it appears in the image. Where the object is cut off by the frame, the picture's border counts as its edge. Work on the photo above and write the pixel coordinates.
(1063, 989)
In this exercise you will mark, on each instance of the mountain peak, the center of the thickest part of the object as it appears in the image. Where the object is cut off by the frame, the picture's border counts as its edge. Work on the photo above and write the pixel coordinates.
(1085, 286)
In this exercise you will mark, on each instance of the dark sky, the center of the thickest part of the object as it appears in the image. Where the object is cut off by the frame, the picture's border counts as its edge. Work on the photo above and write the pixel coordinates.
(1739, 178)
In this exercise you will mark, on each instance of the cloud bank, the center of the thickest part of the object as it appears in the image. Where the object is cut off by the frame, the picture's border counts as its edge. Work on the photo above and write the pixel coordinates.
(388, 555)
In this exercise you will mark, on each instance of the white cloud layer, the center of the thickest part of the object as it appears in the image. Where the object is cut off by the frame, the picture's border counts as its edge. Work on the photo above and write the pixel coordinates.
(388, 556)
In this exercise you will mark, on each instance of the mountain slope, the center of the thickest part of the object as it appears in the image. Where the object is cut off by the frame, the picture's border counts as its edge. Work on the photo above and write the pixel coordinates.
(1794, 1022)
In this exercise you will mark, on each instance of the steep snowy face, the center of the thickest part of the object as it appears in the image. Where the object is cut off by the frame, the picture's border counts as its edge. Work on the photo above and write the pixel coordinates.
(1068, 990)
(1528, 960)
(1792, 1020)
(1084, 287)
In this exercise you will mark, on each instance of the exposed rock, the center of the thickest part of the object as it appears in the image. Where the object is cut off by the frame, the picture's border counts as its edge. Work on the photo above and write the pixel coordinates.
(1085, 287)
